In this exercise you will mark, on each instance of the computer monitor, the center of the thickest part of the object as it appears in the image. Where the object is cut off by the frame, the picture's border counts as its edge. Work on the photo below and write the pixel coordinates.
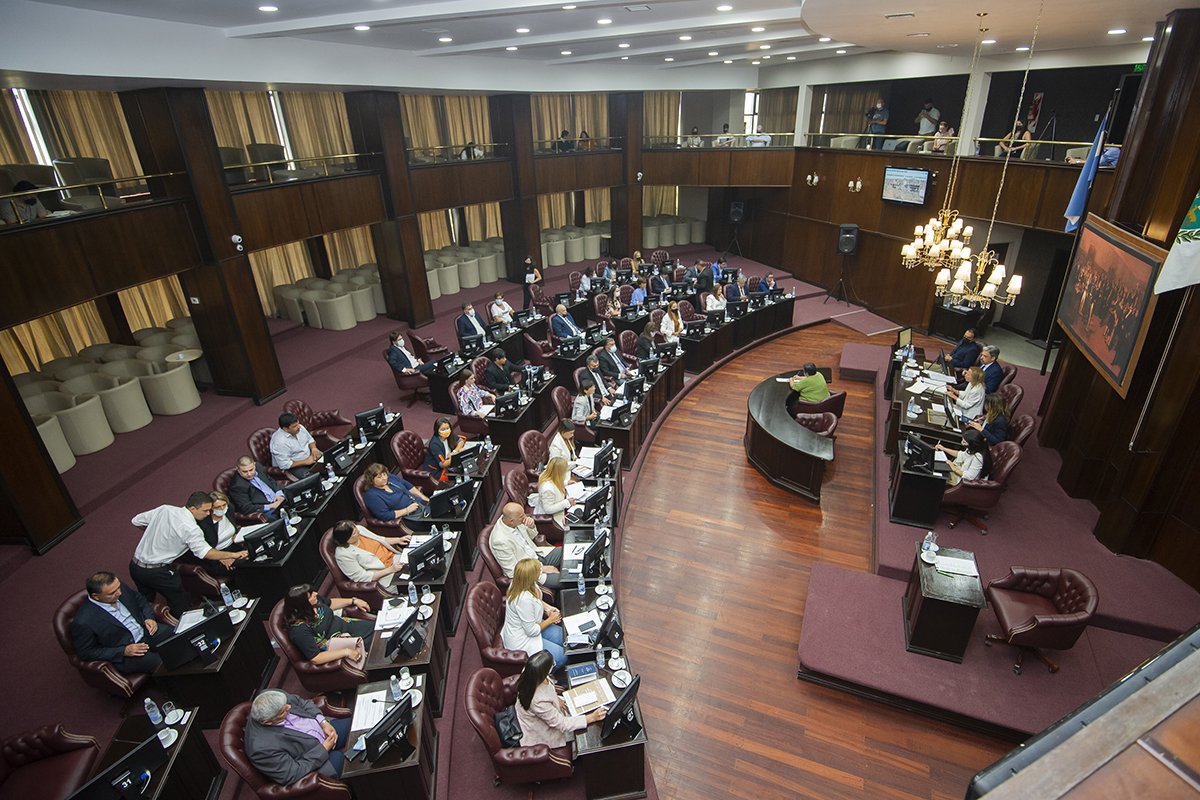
(506, 404)
(622, 713)
(371, 421)
(471, 344)
(124, 779)
(648, 366)
(268, 540)
(603, 465)
(776, 293)
(737, 308)
(391, 730)
(635, 388)
(522, 318)
(407, 640)
(564, 298)
(199, 641)
(679, 287)
(920, 454)
(594, 557)
(427, 559)
(694, 327)
(303, 494)
(595, 333)
(632, 312)
(495, 330)
(757, 298)
(443, 365)
(340, 456)
(715, 318)
(951, 412)
(450, 502)
(465, 461)
(571, 344)
(668, 349)
(610, 633)
(624, 275)
(903, 338)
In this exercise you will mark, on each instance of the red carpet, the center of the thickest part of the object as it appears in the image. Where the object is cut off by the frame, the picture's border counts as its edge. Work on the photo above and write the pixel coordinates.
(865, 322)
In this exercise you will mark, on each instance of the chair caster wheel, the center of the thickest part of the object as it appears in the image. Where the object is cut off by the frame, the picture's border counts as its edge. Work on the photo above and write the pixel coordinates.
(1016, 669)
(951, 524)
(987, 642)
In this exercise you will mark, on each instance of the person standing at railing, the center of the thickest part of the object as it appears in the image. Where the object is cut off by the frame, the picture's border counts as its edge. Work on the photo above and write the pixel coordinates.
(22, 209)
(877, 120)
(928, 118)
(725, 139)
(585, 141)
(758, 138)
(470, 152)
(693, 140)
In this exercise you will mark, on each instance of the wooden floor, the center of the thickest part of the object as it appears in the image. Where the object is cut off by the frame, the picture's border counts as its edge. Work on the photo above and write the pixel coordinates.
(714, 571)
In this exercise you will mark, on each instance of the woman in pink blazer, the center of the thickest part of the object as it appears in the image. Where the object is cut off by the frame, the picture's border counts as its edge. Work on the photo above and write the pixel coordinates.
(541, 712)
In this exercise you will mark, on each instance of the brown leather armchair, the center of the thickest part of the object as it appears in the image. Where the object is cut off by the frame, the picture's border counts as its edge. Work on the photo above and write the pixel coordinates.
(427, 348)
(540, 301)
(535, 452)
(835, 404)
(369, 591)
(100, 674)
(1041, 608)
(475, 427)
(1011, 394)
(517, 487)
(411, 387)
(599, 303)
(221, 484)
(538, 352)
(409, 452)
(259, 445)
(624, 294)
(970, 500)
(563, 405)
(332, 676)
(1010, 374)
(659, 257)
(488, 693)
(485, 615)
(313, 786)
(47, 762)
(823, 424)
(327, 427)
(687, 312)
(394, 527)
(627, 347)
(573, 280)
(1020, 429)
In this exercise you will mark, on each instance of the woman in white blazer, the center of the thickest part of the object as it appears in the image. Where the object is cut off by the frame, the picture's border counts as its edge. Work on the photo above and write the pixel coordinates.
(672, 324)
(562, 444)
(969, 402)
(551, 496)
(541, 712)
(365, 557)
(530, 623)
(715, 300)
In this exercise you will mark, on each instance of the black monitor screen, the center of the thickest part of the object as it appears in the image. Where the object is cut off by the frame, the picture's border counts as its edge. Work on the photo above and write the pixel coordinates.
(270, 540)
(605, 461)
(610, 633)
(694, 327)
(506, 403)
(716, 317)
(427, 558)
(648, 366)
(622, 712)
(563, 298)
(635, 387)
(445, 503)
(624, 275)
(495, 329)
(571, 343)
(920, 454)
(340, 454)
(304, 493)
(593, 557)
(372, 420)
(391, 729)
(124, 778)
(472, 343)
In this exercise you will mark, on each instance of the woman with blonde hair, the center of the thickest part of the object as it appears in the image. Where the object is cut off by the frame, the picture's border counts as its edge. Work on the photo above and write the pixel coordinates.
(530, 623)
(551, 497)
(968, 401)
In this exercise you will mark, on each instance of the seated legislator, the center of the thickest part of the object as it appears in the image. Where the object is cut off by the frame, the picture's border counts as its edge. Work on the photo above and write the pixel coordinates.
(972, 462)
(391, 497)
(605, 271)
(366, 557)
(660, 284)
(551, 498)
(472, 399)
(400, 359)
(293, 447)
(252, 490)
(562, 443)
(219, 530)
(172, 533)
(636, 262)
(442, 446)
(468, 324)
(287, 737)
(989, 363)
(612, 365)
(322, 636)
(116, 626)
(767, 284)
(737, 289)
(645, 341)
(714, 301)
(671, 325)
(638, 297)
(562, 324)
(540, 711)
(966, 352)
(809, 384)
(530, 623)
(498, 374)
(993, 424)
(500, 310)
(585, 409)
(969, 401)
(511, 540)
(603, 389)
(612, 309)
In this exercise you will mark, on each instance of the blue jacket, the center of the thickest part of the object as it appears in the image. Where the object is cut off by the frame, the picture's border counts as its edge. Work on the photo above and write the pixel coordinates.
(562, 327)
(992, 375)
(383, 505)
(966, 354)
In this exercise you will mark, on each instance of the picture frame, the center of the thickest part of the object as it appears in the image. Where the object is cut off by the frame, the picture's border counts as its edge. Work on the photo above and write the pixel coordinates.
(1108, 298)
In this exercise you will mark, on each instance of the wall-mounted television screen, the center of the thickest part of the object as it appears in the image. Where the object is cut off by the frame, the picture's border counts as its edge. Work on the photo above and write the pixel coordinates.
(905, 186)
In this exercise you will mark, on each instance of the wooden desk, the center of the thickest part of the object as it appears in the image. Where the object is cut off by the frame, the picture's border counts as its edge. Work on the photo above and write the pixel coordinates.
(269, 580)
(572, 603)
(243, 666)
(949, 322)
(394, 777)
(433, 661)
(191, 771)
(478, 513)
(451, 585)
(784, 451)
(940, 609)
(613, 769)
(505, 431)
(915, 497)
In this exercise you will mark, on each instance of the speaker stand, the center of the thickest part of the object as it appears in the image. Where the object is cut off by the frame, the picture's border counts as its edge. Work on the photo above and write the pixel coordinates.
(733, 243)
(838, 292)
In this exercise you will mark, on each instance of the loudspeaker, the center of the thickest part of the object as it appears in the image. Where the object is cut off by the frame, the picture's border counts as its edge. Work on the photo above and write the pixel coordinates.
(737, 212)
(847, 239)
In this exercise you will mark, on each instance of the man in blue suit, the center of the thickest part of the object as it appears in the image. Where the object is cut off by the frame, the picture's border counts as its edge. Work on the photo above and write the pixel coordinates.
(117, 627)
(736, 291)
(966, 353)
(468, 324)
(992, 371)
(659, 284)
(562, 324)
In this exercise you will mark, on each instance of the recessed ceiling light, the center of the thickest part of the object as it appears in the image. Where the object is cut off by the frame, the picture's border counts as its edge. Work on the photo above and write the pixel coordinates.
(1147, 38)
(685, 38)
(764, 47)
(569, 8)
(564, 52)
(728, 61)
(917, 35)
(757, 29)
(1117, 31)
(944, 46)
(713, 53)
(988, 41)
(668, 58)
(824, 39)
(510, 48)
(522, 30)
(1022, 49)
(840, 52)
(766, 57)
(268, 8)
(605, 21)
(724, 8)
(624, 58)
(756, 63)
(623, 45)
(791, 58)
(445, 39)
(362, 27)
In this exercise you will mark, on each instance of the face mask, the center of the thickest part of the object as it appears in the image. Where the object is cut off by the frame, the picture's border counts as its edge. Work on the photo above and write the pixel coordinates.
(218, 512)
(879, 105)
(444, 434)
(612, 349)
(31, 201)
(471, 313)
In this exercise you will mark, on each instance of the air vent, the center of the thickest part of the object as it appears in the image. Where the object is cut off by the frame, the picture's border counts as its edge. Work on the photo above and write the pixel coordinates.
(900, 15)
(637, 8)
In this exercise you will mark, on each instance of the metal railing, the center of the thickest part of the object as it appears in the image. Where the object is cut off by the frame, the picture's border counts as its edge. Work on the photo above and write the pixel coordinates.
(292, 169)
(1032, 150)
(577, 145)
(470, 151)
(64, 200)
(720, 140)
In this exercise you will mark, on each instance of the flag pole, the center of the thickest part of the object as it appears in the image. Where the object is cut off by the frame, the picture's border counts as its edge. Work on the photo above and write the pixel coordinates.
(1162, 361)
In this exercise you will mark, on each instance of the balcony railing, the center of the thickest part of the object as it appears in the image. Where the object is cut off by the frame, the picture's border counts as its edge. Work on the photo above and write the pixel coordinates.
(577, 145)
(1033, 150)
(65, 200)
(485, 151)
(284, 170)
(719, 140)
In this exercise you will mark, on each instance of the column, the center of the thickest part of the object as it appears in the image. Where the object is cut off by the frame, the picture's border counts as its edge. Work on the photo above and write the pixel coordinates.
(625, 121)
(512, 122)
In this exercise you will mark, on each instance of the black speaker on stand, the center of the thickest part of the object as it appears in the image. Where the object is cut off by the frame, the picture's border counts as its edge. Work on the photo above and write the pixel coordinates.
(737, 215)
(847, 245)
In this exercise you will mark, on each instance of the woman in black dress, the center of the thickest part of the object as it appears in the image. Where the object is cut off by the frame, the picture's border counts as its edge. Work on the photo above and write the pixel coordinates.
(532, 276)
(312, 625)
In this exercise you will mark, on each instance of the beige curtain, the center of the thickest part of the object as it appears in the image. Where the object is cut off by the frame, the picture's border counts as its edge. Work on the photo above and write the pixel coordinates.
(483, 221)
(242, 118)
(278, 265)
(14, 143)
(777, 109)
(435, 229)
(26, 347)
(317, 124)
(349, 248)
(660, 119)
(556, 210)
(591, 115)
(597, 204)
(86, 124)
(844, 106)
(151, 305)
(421, 124)
(467, 120)
(551, 115)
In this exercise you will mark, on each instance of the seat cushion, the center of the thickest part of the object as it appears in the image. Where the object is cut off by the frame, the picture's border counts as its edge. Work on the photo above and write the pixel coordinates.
(56, 776)
(1015, 608)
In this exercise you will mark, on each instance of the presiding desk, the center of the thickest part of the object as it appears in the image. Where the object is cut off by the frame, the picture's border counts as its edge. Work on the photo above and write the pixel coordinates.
(784, 451)
(940, 608)
(400, 773)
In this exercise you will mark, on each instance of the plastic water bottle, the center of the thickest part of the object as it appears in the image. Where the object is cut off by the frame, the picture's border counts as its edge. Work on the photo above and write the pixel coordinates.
(412, 593)
(153, 713)
(487, 442)
(397, 692)
(927, 544)
(362, 437)
(332, 474)
(581, 585)
(226, 595)
(600, 660)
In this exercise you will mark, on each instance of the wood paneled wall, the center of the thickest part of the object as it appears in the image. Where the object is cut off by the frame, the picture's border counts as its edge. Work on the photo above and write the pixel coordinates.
(465, 184)
(718, 167)
(575, 171)
(274, 215)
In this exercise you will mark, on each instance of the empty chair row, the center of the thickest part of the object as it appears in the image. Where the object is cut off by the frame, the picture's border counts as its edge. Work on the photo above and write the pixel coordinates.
(452, 269)
(335, 306)
(668, 231)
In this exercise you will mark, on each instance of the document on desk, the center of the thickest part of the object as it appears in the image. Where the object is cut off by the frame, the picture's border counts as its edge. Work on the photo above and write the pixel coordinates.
(242, 532)
(937, 377)
(582, 623)
(606, 413)
(574, 552)
(369, 708)
(939, 456)
(583, 468)
(918, 387)
(190, 619)
(393, 617)
(588, 697)
(588, 453)
(486, 410)
(956, 566)
(577, 490)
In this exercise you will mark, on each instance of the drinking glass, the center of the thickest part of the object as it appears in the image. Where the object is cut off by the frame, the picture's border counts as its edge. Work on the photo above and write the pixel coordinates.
(168, 708)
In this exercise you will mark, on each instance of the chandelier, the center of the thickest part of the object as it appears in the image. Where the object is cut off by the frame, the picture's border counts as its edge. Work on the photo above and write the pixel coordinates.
(938, 244)
(973, 290)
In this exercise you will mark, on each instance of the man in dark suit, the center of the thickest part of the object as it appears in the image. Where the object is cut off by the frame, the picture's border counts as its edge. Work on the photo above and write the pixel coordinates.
(736, 291)
(966, 353)
(603, 385)
(117, 627)
(252, 490)
(992, 371)
(705, 278)
(612, 366)
(400, 359)
(562, 324)
(498, 375)
(468, 324)
(660, 283)
(287, 737)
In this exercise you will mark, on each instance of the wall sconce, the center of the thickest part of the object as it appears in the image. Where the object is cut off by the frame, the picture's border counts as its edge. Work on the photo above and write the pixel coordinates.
(813, 179)
(855, 185)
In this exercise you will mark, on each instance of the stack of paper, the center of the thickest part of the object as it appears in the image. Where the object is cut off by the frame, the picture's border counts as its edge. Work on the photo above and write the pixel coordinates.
(369, 708)
(584, 622)
(486, 410)
(918, 387)
(393, 617)
(589, 697)
(577, 491)
(956, 566)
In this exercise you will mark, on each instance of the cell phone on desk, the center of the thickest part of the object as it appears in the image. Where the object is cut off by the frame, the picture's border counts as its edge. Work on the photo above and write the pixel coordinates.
(587, 626)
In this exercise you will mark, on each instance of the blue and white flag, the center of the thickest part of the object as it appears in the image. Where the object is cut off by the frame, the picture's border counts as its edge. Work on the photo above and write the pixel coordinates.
(1182, 267)
(1079, 197)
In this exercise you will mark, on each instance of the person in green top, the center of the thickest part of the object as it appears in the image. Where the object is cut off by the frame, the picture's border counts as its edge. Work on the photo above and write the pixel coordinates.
(810, 384)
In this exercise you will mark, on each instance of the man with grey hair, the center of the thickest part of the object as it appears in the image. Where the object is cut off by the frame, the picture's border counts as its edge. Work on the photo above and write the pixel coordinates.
(512, 539)
(252, 490)
(993, 373)
(287, 737)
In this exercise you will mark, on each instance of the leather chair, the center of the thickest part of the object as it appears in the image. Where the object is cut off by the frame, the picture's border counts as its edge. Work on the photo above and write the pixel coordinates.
(47, 762)
(538, 352)
(627, 346)
(485, 615)
(479, 367)
(971, 500)
(835, 404)
(1041, 608)
(703, 300)
(100, 674)
(678, 273)
(599, 303)
(823, 424)
(1020, 429)
(535, 451)
(259, 445)
(409, 452)
(686, 311)
(266, 151)
(327, 427)
(412, 387)
(573, 280)
(394, 527)
(313, 786)
(427, 348)
(659, 257)
(221, 484)
(624, 293)
(577, 374)
(332, 676)
(474, 427)
(540, 301)
(517, 487)
(656, 317)
(196, 580)
(1012, 395)
(626, 263)
(1010, 374)
(370, 591)
(562, 406)
(488, 693)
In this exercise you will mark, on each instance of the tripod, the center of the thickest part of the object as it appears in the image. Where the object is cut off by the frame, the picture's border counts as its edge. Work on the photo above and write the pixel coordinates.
(838, 292)
(733, 242)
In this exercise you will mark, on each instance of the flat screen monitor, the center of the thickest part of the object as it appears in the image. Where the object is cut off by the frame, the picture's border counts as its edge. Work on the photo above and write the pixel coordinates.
(648, 366)
(903, 338)
(124, 780)
(407, 640)
(472, 344)
(391, 730)
(757, 298)
(522, 318)
(571, 344)
(775, 293)
(564, 298)
(905, 186)
(635, 388)
(624, 275)
(594, 556)
(610, 633)
(465, 460)
(303, 494)
(951, 412)
(622, 713)
(679, 287)
(506, 404)
(267, 541)
(694, 327)
(715, 318)
(201, 640)
(340, 455)
(443, 365)
(595, 333)
(920, 454)
(495, 331)
(449, 502)
(371, 421)
(427, 559)
(605, 461)
(737, 308)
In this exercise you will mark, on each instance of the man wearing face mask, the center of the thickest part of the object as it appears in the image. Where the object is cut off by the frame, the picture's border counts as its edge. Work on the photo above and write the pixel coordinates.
(612, 366)
(468, 324)
(16, 210)
(877, 120)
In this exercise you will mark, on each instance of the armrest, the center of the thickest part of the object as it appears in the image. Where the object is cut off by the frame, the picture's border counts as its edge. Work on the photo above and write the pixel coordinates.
(44, 742)
(502, 655)
(522, 756)
(333, 416)
(312, 783)
(162, 612)
(331, 709)
(256, 518)
(332, 668)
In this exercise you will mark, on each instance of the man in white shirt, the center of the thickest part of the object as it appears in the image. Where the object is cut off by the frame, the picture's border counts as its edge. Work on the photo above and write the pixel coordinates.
(758, 138)
(171, 533)
(725, 139)
(293, 447)
(512, 540)
(927, 118)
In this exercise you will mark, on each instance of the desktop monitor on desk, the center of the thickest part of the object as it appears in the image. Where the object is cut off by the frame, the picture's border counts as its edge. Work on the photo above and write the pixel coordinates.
(427, 559)
(634, 388)
(472, 344)
(465, 461)
(124, 779)
(506, 404)
(737, 308)
(371, 421)
(391, 730)
(610, 633)
(340, 456)
(446, 502)
(201, 640)
(495, 331)
(757, 299)
(407, 641)
(605, 461)
(624, 275)
(694, 328)
(622, 713)
(570, 345)
(715, 318)
(523, 318)
(266, 542)
(920, 454)
(301, 495)
(648, 366)
(595, 333)
(594, 557)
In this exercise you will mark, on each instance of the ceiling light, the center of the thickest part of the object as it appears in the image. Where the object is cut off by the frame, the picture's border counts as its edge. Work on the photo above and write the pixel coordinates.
(713, 53)
(766, 57)
(724, 8)
(362, 27)
(916, 35)
(764, 47)
(1117, 31)
(988, 41)
(1022, 49)
(685, 38)
(268, 8)
(510, 48)
(564, 52)
(623, 45)
(756, 63)
(624, 58)
(757, 29)
(727, 61)
(791, 58)
(668, 58)
(605, 21)
(1147, 38)
(900, 15)
(445, 39)
(569, 8)
(824, 39)
(840, 52)
(522, 30)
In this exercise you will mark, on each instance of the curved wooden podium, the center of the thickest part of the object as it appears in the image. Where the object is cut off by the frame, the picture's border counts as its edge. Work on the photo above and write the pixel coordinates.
(784, 451)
